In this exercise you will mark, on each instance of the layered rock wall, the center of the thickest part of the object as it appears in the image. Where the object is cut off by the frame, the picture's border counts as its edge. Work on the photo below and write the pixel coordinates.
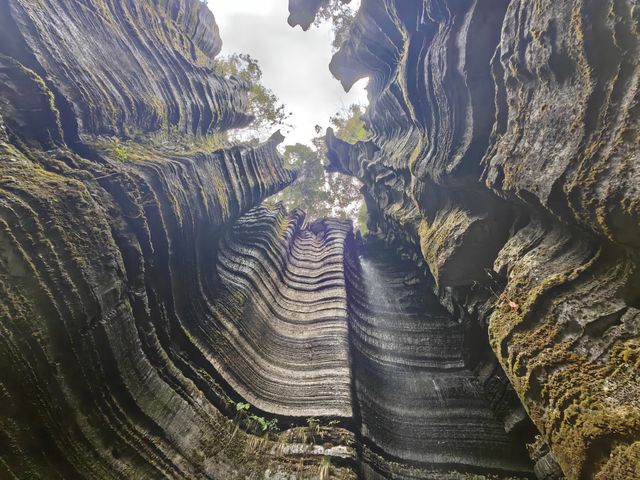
(418, 403)
(106, 269)
(146, 296)
(116, 256)
(282, 337)
(504, 144)
(125, 67)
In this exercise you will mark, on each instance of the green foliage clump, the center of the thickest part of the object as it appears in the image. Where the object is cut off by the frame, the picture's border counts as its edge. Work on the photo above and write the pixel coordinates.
(309, 192)
(319, 193)
(255, 422)
(349, 125)
(313, 423)
(264, 105)
(265, 425)
(339, 15)
(120, 152)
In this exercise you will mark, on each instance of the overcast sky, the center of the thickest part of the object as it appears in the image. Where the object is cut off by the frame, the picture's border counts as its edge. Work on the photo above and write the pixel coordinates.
(294, 63)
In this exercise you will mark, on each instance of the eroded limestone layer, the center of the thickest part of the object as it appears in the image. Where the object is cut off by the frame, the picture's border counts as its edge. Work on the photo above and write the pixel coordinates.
(145, 294)
(505, 148)
(280, 333)
(418, 402)
(124, 67)
(104, 271)
(122, 260)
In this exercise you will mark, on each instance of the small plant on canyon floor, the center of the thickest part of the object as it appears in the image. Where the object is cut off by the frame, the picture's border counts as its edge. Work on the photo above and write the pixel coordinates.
(121, 152)
(264, 424)
(256, 423)
(241, 415)
(324, 468)
(313, 429)
(314, 424)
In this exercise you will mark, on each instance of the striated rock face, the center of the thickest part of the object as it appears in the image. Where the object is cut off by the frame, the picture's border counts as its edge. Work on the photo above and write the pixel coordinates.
(505, 146)
(104, 273)
(124, 342)
(418, 401)
(146, 295)
(124, 67)
(282, 338)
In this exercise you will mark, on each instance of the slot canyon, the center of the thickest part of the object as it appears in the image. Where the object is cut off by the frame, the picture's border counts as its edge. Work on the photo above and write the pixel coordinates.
(159, 320)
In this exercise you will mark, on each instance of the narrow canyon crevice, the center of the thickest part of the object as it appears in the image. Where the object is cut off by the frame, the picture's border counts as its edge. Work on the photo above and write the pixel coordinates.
(158, 320)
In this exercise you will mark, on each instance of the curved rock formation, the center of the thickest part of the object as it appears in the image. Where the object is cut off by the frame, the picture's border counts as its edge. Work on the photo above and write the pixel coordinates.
(417, 400)
(505, 145)
(104, 271)
(282, 314)
(156, 321)
(125, 67)
(113, 255)
(303, 12)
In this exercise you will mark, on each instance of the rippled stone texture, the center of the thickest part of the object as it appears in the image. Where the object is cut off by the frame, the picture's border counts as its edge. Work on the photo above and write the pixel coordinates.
(417, 400)
(104, 271)
(116, 258)
(124, 67)
(505, 145)
(281, 333)
(144, 292)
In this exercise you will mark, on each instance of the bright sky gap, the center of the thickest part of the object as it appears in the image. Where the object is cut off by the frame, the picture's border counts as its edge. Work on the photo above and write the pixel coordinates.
(295, 64)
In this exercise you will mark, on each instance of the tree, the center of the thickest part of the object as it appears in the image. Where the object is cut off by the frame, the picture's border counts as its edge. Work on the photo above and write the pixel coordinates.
(317, 192)
(348, 124)
(349, 127)
(264, 105)
(309, 192)
(339, 15)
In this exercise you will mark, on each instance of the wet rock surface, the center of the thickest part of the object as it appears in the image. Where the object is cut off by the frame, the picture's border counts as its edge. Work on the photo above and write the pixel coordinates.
(418, 403)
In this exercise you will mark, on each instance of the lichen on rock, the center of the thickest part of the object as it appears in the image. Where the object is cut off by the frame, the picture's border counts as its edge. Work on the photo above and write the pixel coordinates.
(503, 121)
